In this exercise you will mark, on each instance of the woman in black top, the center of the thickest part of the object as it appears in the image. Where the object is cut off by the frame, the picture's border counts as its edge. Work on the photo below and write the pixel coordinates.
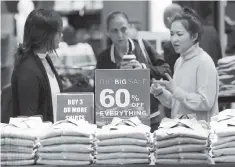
(31, 89)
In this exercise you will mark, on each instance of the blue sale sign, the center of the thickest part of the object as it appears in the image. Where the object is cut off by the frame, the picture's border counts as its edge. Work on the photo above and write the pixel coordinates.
(122, 93)
(75, 106)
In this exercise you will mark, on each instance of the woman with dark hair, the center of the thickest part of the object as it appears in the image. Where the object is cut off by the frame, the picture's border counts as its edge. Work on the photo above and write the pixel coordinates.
(194, 87)
(35, 81)
(111, 58)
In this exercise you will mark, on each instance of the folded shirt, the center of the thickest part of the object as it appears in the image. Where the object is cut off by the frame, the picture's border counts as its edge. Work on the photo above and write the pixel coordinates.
(222, 116)
(6, 156)
(226, 59)
(227, 87)
(66, 140)
(228, 70)
(225, 145)
(32, 122)
(29, 128)
(121, 155)
(226, 79)
(227, 93)
(225, 65)
(179, 141)
(77, 148)
(66, 156)
(124, 128)
(223, 151)
(228, 65)
(228, 159)
(17, 149)
(123, 141)
(216, 141)
(121, 161)
(75, 132)
(62, 162)
(80, 128)
(128, 133)
(180, 149)
(182, 161)
(18, 162)
(162, 134)
(19, 133)
(17, 142)
(123, 149)
(170, 128)
(188, 155)
(225, 130)
(126, 124)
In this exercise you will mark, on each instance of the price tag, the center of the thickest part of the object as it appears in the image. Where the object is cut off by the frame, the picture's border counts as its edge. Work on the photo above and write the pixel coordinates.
(75, 106)
(122, 93)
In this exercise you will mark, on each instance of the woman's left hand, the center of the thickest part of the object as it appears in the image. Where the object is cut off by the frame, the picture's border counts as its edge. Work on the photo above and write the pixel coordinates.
(169, 85)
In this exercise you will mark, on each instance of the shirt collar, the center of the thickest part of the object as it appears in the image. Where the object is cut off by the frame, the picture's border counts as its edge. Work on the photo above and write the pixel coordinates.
(190, 123)
(42, 55)
(133, 121)
(191, 52)
(112, 49)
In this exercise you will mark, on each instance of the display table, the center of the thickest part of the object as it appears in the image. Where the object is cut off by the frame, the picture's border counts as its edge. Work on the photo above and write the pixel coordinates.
(145, 165)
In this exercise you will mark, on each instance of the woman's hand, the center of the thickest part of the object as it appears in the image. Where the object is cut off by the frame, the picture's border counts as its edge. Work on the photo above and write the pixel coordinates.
(133, 64)
(169, 85)
(156, 89)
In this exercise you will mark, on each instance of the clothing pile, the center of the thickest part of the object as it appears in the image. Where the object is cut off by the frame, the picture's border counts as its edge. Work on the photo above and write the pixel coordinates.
(68, 142)
(226, 71)
(223, 137)
(19, 140)
(124, 141)
(181, 141)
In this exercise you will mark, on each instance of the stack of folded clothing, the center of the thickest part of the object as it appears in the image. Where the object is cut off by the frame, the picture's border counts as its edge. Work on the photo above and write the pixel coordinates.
(124, 142)
(68, 142)
(223, 137)
(18, 140)
(181, 141)
(226, 71)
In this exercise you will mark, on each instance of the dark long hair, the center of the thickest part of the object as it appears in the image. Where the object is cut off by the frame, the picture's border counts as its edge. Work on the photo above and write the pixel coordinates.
(40, 29)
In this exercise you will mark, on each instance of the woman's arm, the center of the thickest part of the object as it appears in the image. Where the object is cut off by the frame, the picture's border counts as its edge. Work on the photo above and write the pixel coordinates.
(163, 95)
(206, 92)
(165, 98)
(28, 93)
